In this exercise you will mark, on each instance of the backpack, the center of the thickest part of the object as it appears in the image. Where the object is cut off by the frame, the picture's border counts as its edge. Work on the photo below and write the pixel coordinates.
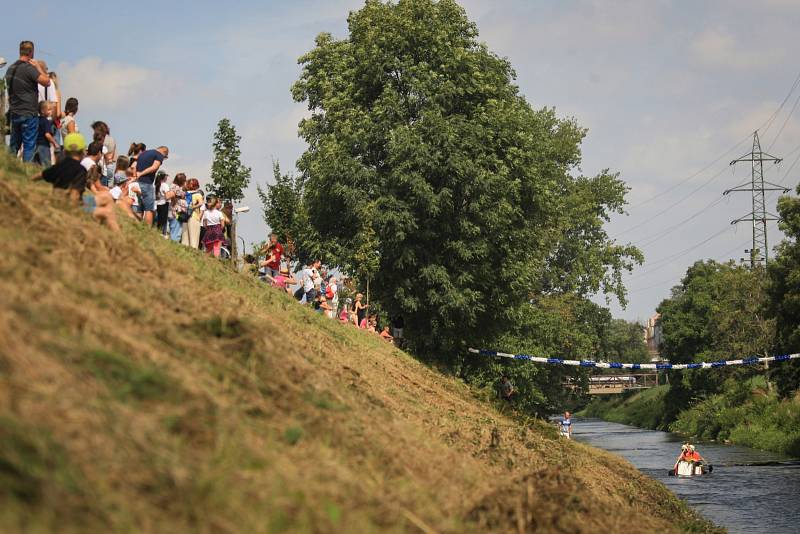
(329, 294)
(186, 215)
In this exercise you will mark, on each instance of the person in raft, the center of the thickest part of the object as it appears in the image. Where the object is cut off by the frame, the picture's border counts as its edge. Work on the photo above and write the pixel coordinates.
(689, 454)
(565, 426)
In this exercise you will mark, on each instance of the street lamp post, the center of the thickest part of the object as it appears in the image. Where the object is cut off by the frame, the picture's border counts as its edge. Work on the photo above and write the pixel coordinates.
(236, 212)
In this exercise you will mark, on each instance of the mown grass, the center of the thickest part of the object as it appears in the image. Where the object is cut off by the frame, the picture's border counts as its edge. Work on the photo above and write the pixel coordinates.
(144, 387)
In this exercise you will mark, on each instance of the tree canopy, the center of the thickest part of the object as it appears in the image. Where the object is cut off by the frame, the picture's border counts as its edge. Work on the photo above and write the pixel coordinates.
(715, 313)
(424, 156)
(784, 294)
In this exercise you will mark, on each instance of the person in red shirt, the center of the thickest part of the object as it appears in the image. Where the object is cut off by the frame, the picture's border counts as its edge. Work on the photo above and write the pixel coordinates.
(274, 254)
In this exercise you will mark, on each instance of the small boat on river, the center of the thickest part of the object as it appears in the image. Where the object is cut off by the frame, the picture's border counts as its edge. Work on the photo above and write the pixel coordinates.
(690, 469)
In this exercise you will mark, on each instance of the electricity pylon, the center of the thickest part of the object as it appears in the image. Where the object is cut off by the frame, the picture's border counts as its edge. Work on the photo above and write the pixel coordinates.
(757, 187)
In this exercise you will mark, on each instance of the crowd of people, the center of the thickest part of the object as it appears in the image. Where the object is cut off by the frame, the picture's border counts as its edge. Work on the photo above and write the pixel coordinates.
(321, 290)
(95, 173)
(105, 182)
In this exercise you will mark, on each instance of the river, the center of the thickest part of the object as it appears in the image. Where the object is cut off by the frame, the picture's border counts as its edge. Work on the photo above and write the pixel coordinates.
(738, 495)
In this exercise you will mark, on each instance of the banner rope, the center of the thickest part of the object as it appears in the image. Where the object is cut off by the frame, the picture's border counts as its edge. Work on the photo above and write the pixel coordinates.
(617, 365)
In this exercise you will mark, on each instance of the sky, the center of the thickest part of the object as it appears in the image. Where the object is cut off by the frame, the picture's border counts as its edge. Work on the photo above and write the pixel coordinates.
(670, 92)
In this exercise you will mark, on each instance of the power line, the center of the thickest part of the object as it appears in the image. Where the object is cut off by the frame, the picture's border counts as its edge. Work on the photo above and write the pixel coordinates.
(691, 176)
(785, 122)
(766, 125)
(775, 114)
(657, 236)
(673, 280)
(668, 208)
(664, 262)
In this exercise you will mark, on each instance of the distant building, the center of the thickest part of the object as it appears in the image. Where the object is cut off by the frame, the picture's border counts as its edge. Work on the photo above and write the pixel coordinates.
(652, 336)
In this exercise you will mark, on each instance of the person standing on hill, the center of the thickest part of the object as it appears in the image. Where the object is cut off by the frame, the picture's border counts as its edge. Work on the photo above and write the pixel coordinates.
(565, 426)
(177, 206)
(274, 254)
(102, 133)
(360, 308)
(45, 139)
(68, 124)
(147, 165)
(190, 228)
(23, 78)
(214, 222)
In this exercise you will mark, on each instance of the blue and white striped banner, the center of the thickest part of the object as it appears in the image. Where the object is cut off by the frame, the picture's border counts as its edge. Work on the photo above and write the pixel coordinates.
(616, 365)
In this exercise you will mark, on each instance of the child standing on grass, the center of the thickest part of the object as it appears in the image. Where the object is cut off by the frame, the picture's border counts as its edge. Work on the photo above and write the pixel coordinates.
(213, 221)
(45, 139)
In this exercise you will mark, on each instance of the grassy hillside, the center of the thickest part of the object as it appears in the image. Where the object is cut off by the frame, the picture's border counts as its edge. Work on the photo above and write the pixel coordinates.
(143, 387)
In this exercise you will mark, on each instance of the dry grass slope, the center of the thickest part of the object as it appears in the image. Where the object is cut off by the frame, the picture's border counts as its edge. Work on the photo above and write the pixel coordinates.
(145, 388)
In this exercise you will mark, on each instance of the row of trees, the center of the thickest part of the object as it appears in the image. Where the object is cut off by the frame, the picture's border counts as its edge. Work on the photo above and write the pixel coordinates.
(430, 176)
(723, 311)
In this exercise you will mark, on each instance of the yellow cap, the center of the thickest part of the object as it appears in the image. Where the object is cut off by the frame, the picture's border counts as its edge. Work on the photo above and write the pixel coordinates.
(74, 142)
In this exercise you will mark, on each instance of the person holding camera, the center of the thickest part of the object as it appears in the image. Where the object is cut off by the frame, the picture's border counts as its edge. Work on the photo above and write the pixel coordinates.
(22, 80)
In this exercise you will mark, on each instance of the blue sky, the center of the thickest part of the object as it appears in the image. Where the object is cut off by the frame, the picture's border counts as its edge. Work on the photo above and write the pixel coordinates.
(665, 88)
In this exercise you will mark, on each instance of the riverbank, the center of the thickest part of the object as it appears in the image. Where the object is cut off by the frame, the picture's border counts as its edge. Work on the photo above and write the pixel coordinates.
(146, 387)
(747, 413)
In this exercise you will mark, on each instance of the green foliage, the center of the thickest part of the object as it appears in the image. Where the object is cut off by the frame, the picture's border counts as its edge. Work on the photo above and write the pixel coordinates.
(745, 414)
(423, 155)
(286, 216)
(784, 295)
(557, 326)
(229, 178)
(624, 342)
(643, 409)
(715, 313)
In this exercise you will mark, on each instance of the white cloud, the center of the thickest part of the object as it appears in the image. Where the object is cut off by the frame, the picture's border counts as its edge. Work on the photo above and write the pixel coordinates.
(719, 48)
(108, 84)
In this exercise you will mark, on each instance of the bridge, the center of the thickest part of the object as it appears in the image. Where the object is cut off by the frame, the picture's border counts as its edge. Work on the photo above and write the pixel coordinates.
(615, 384)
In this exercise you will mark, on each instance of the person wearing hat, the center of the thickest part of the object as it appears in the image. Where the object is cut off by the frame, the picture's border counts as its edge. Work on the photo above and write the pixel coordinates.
(68, 174)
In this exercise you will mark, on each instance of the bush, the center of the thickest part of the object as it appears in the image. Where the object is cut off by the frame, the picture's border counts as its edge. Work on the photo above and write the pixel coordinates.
(745, 414)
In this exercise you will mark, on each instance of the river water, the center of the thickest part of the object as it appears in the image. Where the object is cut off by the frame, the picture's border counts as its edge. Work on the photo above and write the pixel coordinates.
(740, 496)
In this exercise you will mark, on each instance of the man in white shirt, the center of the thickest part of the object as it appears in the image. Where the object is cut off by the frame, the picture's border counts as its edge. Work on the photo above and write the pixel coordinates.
(310, 274)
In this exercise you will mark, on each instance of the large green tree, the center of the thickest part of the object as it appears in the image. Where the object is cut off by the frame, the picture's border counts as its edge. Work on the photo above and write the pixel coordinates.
(420, 142)
(784, 294)
(716, 313)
